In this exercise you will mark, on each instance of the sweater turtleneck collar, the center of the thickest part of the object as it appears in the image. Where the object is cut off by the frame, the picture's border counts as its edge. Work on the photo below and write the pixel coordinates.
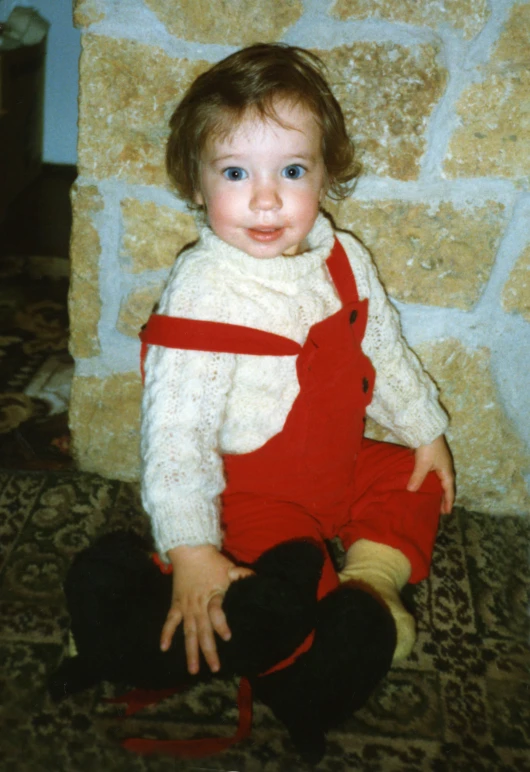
(320, 240)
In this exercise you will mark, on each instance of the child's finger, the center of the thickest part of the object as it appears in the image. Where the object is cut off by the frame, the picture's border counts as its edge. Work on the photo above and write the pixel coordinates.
(417, 477)
(447, 503)
(192, 645)
(239, 572)
(218, 618)
(207, 644)
(173, 620)
(448, 486)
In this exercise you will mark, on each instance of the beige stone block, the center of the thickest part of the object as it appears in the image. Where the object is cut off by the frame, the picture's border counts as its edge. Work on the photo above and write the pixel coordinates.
(516, 291)
(387, 92)
(153, 235)
(84, 303)
(237, 22)
(136, 308)
(432, 254)
(128, 92)
(105, 423)
(490, 458)
(87, 12)
(466, 15)
(494, 134)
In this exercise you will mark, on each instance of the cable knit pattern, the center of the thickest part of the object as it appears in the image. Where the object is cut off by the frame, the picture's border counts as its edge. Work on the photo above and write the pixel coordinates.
(199, 405)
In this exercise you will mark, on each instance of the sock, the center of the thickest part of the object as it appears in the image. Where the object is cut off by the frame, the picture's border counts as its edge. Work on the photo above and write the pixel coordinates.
(386, 570)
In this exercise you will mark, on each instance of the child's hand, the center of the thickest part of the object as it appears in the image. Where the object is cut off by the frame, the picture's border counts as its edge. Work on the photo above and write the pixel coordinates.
(435, 457)
(201, 576)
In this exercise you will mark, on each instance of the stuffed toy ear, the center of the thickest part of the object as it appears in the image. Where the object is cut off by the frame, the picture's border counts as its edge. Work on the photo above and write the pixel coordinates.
(104, 585)
(117, 600)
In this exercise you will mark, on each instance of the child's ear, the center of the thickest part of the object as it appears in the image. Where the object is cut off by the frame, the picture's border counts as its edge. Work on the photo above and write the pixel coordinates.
(197, 198)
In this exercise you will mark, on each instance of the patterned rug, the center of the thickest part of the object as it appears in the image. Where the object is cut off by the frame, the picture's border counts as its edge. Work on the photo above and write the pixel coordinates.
(461, 703)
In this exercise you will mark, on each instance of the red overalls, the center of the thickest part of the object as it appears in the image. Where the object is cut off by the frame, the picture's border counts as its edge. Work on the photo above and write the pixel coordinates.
(317, 478)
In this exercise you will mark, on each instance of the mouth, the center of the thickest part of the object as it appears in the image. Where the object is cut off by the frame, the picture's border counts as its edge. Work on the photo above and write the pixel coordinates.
(265, 235)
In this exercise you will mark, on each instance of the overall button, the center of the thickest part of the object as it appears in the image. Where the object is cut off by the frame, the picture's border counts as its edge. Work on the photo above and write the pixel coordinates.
(366, 385)
(353, 316)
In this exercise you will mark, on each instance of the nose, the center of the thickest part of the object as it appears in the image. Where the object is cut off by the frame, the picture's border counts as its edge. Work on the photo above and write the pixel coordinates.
(265, 196)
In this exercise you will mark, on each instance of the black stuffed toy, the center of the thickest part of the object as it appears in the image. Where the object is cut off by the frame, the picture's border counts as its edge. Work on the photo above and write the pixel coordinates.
(118, 600)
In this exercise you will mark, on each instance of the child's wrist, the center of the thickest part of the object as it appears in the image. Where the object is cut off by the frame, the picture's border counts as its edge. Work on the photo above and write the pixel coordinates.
(186, 551)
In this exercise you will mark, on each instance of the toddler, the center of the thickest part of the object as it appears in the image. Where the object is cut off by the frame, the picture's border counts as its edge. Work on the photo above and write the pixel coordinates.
(273, 339)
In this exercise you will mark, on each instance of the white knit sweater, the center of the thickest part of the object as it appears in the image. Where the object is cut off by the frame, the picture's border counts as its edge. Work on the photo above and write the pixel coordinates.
(199, 405)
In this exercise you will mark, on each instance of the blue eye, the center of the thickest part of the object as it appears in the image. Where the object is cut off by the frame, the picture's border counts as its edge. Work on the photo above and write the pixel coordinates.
(293, 172)
(234, 173)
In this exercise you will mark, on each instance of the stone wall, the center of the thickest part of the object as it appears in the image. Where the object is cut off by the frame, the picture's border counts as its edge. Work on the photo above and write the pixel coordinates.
(436, 94)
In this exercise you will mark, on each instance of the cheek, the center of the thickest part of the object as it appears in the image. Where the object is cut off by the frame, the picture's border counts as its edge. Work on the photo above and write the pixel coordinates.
(308, 203)
(307, 210)
(221, 209)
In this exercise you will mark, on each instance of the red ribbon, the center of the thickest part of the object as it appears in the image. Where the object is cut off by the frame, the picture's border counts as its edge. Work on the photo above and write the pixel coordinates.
(204, 746)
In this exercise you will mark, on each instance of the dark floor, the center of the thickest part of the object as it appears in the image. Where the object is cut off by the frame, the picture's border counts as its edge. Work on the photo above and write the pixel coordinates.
(461, 703)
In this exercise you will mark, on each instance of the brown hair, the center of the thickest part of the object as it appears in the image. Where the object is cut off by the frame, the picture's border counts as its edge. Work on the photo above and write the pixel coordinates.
(252, 79)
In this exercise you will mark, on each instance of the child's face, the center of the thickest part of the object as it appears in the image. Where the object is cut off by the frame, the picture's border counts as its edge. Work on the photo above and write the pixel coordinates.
(262, 185)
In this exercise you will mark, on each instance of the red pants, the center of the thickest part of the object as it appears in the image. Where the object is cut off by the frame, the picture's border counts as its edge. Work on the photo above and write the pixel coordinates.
(379, 509)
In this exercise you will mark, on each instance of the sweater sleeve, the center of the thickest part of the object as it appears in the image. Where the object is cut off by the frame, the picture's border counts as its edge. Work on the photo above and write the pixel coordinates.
(405, 398)
(183, 406)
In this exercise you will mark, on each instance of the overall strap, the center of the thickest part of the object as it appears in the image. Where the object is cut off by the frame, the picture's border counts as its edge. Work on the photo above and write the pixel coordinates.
(175, 332)
(198, 335)
(341, 273)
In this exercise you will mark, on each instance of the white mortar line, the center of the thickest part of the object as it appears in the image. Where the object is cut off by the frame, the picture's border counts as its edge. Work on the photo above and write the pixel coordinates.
(317, 30)
(462, 192)
(444, 120)
(463, 61)
(133, 20)
(515, 238)
(118, 352)
(483, 44)
(510, 345)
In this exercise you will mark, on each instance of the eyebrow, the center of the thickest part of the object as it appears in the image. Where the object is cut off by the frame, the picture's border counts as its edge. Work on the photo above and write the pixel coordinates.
(229, 156)
(237, 157)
